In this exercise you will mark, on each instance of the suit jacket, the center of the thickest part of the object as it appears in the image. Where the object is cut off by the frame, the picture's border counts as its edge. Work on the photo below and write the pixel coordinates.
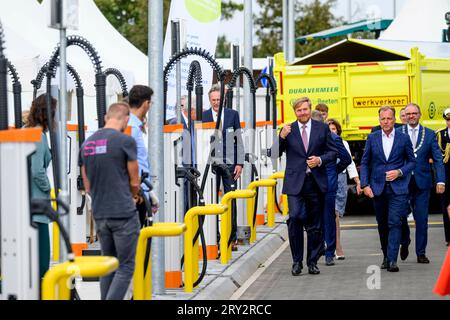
(231, 145)
(429, 148)
(334, 168)
(320, 144)
(374, 164)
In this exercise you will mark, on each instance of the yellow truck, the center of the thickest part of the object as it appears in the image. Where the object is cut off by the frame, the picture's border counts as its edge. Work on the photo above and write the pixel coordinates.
(356, 77)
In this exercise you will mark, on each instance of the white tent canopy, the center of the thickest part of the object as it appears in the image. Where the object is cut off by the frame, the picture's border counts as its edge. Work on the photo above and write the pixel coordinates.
(419, 20)
(29, 43)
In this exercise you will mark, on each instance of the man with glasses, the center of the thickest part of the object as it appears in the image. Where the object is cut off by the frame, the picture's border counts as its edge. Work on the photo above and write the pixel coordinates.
(425, 147)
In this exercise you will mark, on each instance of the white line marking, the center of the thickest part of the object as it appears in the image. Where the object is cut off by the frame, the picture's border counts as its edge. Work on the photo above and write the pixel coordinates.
(239, 292)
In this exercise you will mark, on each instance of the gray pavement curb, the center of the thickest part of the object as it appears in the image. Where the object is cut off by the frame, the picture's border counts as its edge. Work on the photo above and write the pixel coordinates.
(240, 270)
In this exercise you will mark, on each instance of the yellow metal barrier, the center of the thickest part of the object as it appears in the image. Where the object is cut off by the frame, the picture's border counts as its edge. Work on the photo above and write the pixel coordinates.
(269, 183)
(57, 281)
(285, 209)
(142, 285)
(225, 224)
(191, 251)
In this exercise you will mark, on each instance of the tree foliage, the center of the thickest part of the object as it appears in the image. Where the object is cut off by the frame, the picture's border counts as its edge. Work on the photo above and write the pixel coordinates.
(309, 18)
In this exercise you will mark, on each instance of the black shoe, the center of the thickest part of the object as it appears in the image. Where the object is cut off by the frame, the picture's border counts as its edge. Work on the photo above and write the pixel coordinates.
(297, 268)
(422, 259)
(312, 269)
(392, 267)
(384, 264)
(404, 252)
(329, 261)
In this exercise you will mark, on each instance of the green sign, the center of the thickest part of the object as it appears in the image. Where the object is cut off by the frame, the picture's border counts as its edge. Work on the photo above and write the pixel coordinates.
(204, 10)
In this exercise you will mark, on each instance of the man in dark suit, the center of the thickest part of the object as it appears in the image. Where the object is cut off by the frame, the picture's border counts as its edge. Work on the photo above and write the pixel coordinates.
(386, 167)
(333, 169)
(309, 148)
(425, 147)
(229, 150)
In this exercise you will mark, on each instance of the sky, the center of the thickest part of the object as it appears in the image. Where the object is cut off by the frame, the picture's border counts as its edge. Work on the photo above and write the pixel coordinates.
(360, 10)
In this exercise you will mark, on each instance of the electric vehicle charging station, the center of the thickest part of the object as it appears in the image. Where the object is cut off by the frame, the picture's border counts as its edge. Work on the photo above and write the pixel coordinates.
(19, 238)
(173, 146)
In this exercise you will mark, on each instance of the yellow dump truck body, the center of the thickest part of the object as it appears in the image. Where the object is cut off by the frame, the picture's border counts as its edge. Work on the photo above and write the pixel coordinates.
(355, 91)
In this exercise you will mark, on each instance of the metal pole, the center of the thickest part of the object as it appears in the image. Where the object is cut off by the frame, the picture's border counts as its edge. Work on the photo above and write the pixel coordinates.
(349, 13)
(176, 47)
(248, 110)
(395, 9)
(291, 31)
(236, 61)
(285, 28)
(155, 137)
(64, 194)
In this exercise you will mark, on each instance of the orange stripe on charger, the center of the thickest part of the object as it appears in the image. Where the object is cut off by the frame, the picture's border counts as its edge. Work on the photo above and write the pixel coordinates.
(205, 125)
(78, 248)
(260, 219)
(74, 127)
(169, 128)
(21, 135)
(212, 252)
(173, 279)
(128, 131)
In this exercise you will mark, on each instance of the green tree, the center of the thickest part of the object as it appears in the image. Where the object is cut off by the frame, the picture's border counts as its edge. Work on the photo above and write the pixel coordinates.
(309, 18)
(223, 47)
(130, 17)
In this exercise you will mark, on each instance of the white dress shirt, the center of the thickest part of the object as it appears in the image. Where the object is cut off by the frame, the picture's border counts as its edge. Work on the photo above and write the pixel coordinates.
(215, 114)
(387, 142)
(351, 169)
(308, 128)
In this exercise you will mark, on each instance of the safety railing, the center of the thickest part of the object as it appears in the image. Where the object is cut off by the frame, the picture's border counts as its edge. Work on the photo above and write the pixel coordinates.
(225, 224)
(190, 249)
(285, 210)
(142, 279)
(57, 282)
(270, 184)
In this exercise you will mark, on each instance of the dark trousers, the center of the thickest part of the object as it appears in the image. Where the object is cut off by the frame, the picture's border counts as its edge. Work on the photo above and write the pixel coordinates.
(390, 209)
(329, 223)
(418, 201)
(227, 187)
(305, 212)
(44, 248)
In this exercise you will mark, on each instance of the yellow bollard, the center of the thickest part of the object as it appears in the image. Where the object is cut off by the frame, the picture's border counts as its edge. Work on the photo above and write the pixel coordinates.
(285, 210)
(142, 285)
(58, 280)
(190, 252)
(270, 184)
(225, 223)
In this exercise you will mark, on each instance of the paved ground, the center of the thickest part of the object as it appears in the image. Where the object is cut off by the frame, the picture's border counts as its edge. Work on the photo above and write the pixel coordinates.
(348, 278)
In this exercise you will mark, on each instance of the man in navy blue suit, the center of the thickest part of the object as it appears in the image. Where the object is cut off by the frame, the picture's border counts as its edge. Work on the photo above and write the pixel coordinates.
(386, 167)
(425, 147)
(333, 169)
(309, 148)
(229, 150)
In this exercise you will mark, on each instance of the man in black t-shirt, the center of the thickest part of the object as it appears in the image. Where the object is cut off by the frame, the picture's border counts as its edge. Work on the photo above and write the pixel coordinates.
(110, 174)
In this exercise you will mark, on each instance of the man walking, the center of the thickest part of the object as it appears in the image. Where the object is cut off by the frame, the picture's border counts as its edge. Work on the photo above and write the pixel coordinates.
(386, 167)
(425, 147)
(110, 174)
(309, 148)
